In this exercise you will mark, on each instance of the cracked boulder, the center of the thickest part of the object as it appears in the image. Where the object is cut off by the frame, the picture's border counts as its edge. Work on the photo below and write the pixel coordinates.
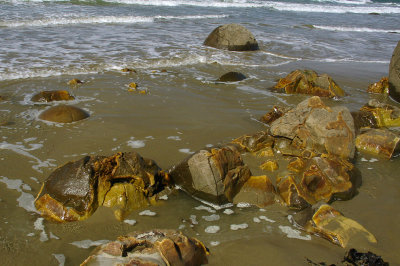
(152, 248)
(313, 127)
(232, 37)
(123, 181)
(215, 174)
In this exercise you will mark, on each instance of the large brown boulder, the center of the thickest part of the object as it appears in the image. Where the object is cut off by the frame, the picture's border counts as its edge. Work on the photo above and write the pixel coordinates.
(317, 128)
(309, 82)
(63, 114)
(215, 174)
(232, 37)
(152, 248)
(49, 96)
(74, 191)
(394, 74)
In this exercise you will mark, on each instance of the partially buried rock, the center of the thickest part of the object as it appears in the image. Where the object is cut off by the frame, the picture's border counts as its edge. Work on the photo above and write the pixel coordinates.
(312, 126)
(394, 74)
(379, 142)
(386, 115)
(309, 82)
(362, 259)
(258, 191)
(381, 86)
(323, 220)
(152, 248)
(74, 82)
(232, 37)
(215, 174)
(231, 77)
(49, 96)
(125, 181)
(63, 114)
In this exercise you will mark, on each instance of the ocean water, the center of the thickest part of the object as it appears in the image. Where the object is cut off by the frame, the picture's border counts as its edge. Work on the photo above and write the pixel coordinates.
(44, 44)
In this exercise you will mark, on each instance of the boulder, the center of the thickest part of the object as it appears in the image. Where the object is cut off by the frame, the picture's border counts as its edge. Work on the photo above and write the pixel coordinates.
(386, 115)
(275, 113)
(324, 178)
(314, 127)
(353, 257)
(231, 77)
(155, 247)
(254, 142)
(323, 220)
(394, 74)
(258, 191)
(125, 181)
(49, 96)
(309, 82)
(379, 142)
(214, 174)
(232, 37)
(63, 114)
(381, 87)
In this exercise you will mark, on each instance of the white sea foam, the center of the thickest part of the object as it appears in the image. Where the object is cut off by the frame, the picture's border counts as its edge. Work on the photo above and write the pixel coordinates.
(205, 208)
(262, 217)
(163, 197)
(177, 138)
(88, 243)
(60, 258)
(214, 243)
(130, 222)
(293, 233)
(211, 218)
(187, 151)
(235, 227)
(38, 225)
(25, 200)
(228, 211)
(147, 213)
(354, 29)
(136, 144)
(193, 219)
(243, 205)
(212, 229)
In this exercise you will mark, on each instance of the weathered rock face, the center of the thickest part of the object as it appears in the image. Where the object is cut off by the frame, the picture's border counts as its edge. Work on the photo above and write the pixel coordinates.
(380, 142)
(324, 178)
(309, 82)
(125, 181)
(232, 37)
(323, 220)
(153, 248)
(231, 77)
(386, 115)
(381, 86)
(257, 190)
(49, 96)
(394, 74)
(215, 174)
(63, 114)
(314, 127)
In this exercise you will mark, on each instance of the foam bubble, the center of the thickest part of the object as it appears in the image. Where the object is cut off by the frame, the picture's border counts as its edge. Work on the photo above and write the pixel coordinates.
(38, 225)
(187, 151)
(136, 144)
(164, 197)
(147, 213)
(262, 217)
(243, 205)
(130, 222)
(88, 243)
(60, 258)
(211, 218)
(239, 226)
(293, 233)
(205, 208)
(256, 220)
(212, 229)
(214, 243)
(228, 211)
(177, 138)
(193, 219)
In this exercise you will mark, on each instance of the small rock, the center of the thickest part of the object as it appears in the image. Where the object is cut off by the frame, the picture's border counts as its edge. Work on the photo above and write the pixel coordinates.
(74, 82)
(128, 70)
(231, 77)
(381, 86)
(362, 259)
(275, 113)
(386, 115)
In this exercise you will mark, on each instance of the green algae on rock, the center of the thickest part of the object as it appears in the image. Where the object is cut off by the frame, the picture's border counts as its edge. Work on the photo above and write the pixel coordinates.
(63, 114)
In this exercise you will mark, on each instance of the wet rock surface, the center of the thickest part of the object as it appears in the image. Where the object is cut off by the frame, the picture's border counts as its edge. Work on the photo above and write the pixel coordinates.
(381, 87)
(309, 82)
(125, 181)
(386, 115)
(258, 191)
(379, 142)
(353, 257)
(63, 114)
(232, 37)
(156, 247)
(50, 96)
(394, 74)
(231, 77)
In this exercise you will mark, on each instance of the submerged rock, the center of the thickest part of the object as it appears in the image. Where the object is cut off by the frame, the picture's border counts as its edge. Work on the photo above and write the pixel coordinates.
(258, 191)
(386, 115)
(63, 114)
(231, 77)
(324, 178)
(214, 174)
(156, 247)
(394, 74)
(74, 82)
(380, 142)
(309, 82)
(232, 37)
(323, 220)
(314, 127)
(125, 181)
(382, 86)
(361, 259)
(49, 96)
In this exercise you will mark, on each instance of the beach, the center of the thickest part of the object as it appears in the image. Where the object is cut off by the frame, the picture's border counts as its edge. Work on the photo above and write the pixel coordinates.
(178, 109)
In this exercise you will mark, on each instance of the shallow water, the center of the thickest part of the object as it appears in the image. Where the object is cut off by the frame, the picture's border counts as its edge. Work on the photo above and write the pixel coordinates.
(44, 44)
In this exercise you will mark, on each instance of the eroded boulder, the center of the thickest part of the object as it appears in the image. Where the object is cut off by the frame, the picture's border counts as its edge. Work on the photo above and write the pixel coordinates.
(63, 114)
(309, 82)
(385, 115)
(50, 96)
(379, 142)
(258, 191)
(394, 74)
(125, 181)
(323, 220)
(153, 248)
(232, 37)
(214, 174)
(314, 127)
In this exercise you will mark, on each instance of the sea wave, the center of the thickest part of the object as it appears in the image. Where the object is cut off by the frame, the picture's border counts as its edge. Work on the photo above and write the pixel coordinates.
(101, 20)
(354, 29)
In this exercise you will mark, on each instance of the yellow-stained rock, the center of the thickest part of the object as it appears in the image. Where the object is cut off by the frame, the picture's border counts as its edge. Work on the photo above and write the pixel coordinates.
(386, 115)
(253, 143)
(49, 96)
(275, 113)
(266, 152)
(296, 164)
(380, 142)
(128, 70)
(258, 190)
(270, 165)
(382, 86)
(74, 82)
(133, 85)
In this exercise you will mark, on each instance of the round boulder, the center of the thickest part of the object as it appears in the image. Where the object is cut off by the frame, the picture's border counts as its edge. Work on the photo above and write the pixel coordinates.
(63, 114)
(232, 37)
(394, 74)
(231, 77)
